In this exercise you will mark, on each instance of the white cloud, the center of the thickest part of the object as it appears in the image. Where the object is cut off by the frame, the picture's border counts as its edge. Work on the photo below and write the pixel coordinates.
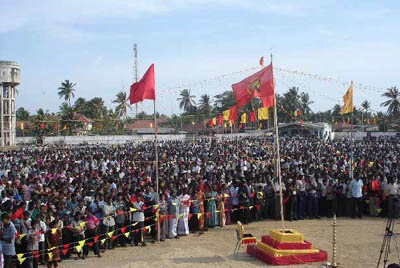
(64, 13)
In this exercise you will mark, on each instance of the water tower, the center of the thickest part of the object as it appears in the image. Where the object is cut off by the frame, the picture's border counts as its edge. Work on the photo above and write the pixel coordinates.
(9, 79)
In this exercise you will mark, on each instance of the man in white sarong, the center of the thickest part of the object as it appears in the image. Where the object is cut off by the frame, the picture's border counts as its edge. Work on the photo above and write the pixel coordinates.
(173, 211)
(184, 205)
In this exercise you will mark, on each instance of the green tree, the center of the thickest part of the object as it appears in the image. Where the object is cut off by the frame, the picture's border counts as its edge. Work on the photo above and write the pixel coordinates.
(305, 103)
(288, 104)
(22, 114)
(223, 101)
(80, 105)
(66, 91)
(393, 102)
(122, 104)
(205, 106)
(365, 105)
(186, 101)
(67, 115)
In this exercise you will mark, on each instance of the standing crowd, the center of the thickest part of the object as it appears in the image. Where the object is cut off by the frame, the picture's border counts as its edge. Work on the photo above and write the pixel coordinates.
(63, 202)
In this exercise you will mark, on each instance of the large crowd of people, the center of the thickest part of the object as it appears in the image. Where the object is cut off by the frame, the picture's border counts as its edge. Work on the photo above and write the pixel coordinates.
(53, 198)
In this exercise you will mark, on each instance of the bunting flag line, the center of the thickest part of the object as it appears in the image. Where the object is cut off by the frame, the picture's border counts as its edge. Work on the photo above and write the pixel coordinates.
(79, 245)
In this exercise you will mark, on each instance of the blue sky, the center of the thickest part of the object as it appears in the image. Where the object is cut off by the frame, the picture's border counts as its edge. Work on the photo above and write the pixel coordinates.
(90, 42)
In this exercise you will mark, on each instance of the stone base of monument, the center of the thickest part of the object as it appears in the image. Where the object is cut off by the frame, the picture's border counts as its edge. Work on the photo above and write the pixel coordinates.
(285, 248)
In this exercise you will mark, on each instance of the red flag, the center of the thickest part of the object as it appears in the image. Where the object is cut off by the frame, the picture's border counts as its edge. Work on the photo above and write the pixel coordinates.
(220, 120)
(233, 113)
(261, 62)
(301, 123)
(252, 117)
(18, 214)
(42, 125)
(55, 127)
(210, 123)
(260, 84)
(144, 89)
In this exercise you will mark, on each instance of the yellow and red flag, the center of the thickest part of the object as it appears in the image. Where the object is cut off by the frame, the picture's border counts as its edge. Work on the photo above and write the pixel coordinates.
(348, 101)
(243, 119)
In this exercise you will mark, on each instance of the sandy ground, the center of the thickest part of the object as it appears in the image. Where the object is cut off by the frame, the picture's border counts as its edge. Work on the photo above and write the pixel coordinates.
(359, 243)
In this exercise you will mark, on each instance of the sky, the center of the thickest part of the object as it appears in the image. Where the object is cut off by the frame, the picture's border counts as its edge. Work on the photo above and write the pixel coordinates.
(202, 45)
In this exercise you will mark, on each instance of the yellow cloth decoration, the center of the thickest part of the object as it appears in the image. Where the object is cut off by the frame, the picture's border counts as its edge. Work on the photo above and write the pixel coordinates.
(78, 248)
(243, 118)
(21, 258)
(225, 115)
(262, 113)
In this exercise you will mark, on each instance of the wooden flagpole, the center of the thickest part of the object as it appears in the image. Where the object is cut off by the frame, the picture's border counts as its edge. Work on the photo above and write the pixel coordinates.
(278, 159)
(156, 167)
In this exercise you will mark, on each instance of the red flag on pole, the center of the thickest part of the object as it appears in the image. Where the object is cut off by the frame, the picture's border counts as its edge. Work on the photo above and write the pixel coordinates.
(42, 125)
(261, 61)
(233, 113)
(252, 117)
(144, 89)
(260, 84)
(220, 120)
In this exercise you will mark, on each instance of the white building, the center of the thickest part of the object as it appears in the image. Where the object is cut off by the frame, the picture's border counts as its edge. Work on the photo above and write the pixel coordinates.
(9, 79)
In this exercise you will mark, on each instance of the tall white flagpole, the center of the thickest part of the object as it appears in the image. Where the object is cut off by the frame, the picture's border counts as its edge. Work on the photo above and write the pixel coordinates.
(278, 159)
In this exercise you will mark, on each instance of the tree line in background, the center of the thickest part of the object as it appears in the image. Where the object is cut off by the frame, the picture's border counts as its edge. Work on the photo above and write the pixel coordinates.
(111, 121)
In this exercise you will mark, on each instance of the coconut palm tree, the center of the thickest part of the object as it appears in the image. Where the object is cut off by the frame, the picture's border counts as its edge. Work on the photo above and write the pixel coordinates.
(205, 106)
(66, 91)
(186, 101)
(122, 104)
(393, 102)
(365, 105)
(305, 104)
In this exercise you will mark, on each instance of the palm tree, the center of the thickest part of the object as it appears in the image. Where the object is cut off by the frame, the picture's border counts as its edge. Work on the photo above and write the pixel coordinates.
(66, 91)
(186, 101)
(205, 105)
(393, 102)
(290, 102)
(305, 104)
(365, 105)
(122, 104)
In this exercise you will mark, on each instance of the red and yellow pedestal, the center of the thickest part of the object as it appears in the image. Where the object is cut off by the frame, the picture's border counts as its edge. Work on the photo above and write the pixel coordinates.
(286, 248)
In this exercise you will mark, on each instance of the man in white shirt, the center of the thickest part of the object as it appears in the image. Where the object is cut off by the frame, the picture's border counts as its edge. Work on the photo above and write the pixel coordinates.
(235, 200)
(355, 187)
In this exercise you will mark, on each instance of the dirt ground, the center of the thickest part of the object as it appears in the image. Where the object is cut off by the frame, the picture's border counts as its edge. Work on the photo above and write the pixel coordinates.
(359, 243)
